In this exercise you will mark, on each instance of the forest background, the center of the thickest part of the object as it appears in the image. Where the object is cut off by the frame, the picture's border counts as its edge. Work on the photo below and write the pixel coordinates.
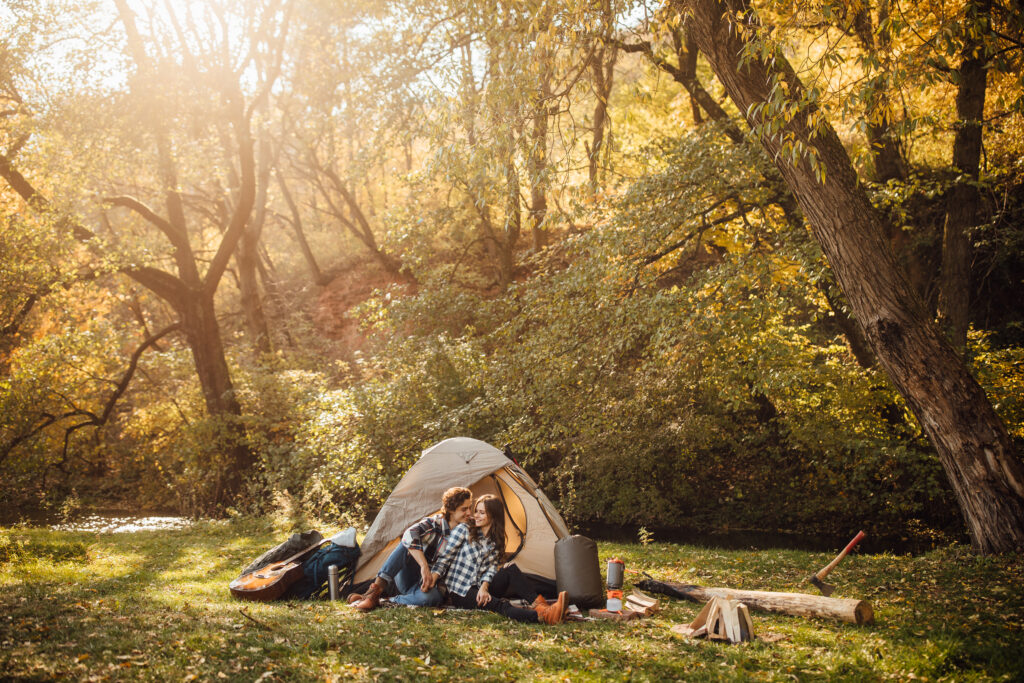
(260, 253)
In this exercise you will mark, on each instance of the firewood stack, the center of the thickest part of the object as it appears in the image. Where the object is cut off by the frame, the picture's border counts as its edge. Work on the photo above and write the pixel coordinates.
(721, 619)
(641, 603)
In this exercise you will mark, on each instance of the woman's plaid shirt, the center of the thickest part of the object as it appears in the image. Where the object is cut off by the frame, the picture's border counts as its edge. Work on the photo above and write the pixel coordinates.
(465, 562)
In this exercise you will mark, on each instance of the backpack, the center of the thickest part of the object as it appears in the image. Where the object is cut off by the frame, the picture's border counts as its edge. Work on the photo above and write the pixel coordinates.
(313, 583)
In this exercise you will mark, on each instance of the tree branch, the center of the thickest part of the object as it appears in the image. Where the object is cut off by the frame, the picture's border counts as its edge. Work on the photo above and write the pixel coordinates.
(159, 282)
(138, 207)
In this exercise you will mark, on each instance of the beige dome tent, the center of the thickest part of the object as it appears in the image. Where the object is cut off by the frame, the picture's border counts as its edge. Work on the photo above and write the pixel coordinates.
(531, 522)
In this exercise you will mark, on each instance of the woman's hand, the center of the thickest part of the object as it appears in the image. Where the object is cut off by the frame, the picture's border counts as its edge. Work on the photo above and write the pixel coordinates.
(483, 596)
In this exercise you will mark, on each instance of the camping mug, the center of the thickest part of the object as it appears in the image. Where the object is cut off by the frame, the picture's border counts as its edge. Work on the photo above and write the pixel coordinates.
(332, 581)
(616, 567)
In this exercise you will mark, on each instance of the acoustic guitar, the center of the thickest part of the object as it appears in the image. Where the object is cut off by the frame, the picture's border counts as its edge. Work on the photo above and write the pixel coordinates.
(270, 582)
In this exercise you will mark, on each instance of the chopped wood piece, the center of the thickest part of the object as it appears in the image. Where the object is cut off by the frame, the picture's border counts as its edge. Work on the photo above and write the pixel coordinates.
(720, 619)
(746, 623)
(639, 602)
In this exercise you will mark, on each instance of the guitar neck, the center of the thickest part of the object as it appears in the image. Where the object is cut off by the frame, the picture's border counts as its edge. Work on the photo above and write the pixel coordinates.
(303, 552)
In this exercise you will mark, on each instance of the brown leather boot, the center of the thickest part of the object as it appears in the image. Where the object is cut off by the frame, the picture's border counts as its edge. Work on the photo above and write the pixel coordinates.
(555, 612)
(370, 599)
(353, 598)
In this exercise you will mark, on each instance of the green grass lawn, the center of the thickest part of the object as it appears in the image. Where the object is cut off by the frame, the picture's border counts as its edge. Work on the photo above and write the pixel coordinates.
(154, 605)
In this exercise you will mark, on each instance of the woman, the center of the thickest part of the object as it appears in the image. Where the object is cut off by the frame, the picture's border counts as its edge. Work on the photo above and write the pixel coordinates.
(470, 560)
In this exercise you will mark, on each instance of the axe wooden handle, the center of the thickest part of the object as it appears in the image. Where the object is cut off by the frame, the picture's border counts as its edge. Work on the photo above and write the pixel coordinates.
(832, 565)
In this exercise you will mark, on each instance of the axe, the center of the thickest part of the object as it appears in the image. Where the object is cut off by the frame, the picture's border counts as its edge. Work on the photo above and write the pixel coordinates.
(816, 579)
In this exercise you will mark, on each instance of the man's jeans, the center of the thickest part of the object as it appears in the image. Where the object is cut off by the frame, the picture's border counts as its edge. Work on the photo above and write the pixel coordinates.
(401, 571)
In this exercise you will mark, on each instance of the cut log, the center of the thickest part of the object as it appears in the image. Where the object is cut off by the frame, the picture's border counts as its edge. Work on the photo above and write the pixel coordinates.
(797, 604)
(732, 622)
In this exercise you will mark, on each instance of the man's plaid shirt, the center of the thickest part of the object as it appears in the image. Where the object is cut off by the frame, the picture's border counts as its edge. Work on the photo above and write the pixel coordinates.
(427, 535)
(465, 562)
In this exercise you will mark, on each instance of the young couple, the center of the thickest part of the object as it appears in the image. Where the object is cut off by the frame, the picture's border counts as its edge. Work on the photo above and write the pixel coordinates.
(465, 559)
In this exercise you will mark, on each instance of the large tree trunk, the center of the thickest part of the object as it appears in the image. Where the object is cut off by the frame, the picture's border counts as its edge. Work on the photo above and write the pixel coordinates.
(202, 332)
(513, 225)
(248, 256)
(885, 152)
(603, 72)
(538, 164)
(964, 201)
(972, 443)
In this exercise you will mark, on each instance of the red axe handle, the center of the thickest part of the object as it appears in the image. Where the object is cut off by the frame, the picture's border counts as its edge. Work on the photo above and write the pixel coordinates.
(832, 565)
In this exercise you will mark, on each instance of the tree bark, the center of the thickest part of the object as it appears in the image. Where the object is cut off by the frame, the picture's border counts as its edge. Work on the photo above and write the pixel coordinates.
(971, 441)
(513, 225)
(202, 332)
(885, 152)
(247, 257)
(964, 203)
(538, 161)
(603, 70)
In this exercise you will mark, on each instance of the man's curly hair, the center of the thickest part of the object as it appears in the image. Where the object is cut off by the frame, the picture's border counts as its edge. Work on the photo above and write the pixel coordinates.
(453, 498)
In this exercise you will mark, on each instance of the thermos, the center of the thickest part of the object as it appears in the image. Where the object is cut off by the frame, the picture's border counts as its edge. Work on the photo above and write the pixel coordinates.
(332, 581)
(616, 568)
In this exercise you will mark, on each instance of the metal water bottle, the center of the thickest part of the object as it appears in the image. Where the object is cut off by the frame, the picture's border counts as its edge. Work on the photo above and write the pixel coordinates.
(332, 581)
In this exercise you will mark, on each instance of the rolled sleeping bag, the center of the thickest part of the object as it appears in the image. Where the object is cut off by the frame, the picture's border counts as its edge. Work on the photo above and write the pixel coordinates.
(577, 571)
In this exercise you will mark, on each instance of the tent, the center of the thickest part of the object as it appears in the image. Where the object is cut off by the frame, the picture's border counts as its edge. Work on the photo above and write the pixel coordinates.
(532, 524)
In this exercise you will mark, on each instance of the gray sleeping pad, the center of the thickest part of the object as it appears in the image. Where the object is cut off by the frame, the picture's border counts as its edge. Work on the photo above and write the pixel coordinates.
(577, 571)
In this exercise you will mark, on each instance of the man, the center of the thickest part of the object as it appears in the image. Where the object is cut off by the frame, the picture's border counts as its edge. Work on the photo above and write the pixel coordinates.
(406, 573)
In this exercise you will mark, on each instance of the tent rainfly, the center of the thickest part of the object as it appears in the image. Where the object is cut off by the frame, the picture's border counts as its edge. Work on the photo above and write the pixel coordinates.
(532, 523)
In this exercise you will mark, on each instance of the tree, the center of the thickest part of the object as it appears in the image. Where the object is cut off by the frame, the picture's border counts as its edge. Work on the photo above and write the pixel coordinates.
(164, 64)
(972, 443)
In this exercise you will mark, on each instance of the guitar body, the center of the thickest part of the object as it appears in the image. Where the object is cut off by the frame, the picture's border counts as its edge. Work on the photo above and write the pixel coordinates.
(268, 583)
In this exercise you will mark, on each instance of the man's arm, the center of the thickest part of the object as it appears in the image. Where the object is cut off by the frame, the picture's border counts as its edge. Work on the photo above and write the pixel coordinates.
(413, 536)
(428, 579)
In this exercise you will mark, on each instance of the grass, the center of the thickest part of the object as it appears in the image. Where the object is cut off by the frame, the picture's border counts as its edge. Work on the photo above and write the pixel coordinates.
(154, 605)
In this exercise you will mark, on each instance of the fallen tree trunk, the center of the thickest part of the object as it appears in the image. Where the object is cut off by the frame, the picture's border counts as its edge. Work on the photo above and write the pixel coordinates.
(797, 604)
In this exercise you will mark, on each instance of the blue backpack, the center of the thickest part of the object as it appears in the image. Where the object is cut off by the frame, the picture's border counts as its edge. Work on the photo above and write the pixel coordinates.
(313, 583)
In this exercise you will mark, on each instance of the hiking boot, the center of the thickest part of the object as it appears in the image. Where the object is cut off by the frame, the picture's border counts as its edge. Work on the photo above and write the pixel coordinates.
(353, 598)
(554, 613)
(370, 599)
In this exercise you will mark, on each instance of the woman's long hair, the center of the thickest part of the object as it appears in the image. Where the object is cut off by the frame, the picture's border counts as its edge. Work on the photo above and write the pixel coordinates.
(496, 511)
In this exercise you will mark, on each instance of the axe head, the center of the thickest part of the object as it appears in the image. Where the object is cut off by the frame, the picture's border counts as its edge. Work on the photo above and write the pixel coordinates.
(825, 588)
